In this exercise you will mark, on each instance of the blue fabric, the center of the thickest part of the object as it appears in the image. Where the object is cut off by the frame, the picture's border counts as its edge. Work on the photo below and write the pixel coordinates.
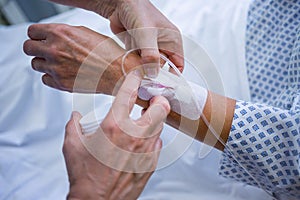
(264, 142)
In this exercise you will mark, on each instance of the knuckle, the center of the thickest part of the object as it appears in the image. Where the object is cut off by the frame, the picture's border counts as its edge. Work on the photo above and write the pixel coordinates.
(57, 71)
(136, 145)
(54, 53)
(110, 126)
(151, 57)
(27, 47)
(34, 63)
(31, 29)
(177, 39)
(60, 28)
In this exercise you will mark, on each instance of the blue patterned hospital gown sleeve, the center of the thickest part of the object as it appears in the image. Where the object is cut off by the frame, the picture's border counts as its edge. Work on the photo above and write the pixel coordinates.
(264, 143)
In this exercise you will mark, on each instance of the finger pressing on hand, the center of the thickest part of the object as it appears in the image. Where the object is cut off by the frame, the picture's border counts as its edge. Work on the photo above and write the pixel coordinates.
(151, 62)
(146, 40)
(127, 95)
(157, 111)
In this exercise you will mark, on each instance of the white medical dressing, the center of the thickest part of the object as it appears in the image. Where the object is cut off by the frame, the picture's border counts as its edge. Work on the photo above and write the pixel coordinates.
(185, 98)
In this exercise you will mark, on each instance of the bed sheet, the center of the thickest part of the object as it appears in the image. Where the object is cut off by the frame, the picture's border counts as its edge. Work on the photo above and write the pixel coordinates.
(33, 116)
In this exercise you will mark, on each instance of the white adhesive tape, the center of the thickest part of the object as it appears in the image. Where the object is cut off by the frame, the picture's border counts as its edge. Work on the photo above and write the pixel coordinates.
(185, 98)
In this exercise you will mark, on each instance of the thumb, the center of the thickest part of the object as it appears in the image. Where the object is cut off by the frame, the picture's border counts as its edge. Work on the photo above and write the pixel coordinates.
(115, 24)
(72, 140)
(145, 39)
(73, 125)
(157, 111)
(151, 60)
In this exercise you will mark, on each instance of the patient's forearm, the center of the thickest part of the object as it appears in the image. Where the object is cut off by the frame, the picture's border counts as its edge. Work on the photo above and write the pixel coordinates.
(218, 113)
(212, 127)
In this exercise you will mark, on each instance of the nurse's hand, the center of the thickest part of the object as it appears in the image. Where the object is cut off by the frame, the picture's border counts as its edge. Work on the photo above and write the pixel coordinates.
(76, 59)
(116, 161)
(148, 29)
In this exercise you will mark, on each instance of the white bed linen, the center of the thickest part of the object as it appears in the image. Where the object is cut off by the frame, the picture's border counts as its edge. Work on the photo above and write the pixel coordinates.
(33, 116)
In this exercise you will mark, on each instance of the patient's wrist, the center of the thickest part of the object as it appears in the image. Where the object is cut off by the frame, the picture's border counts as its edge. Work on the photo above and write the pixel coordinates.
(114, 75)
(218, 115)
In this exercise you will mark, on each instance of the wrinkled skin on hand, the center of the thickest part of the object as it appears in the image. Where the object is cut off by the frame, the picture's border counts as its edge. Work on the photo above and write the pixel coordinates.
(75, 58)
(102, 7)
(147, 28)
(91, 175)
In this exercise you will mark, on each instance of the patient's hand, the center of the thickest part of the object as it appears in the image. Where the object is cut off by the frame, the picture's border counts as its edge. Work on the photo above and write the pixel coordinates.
(75, 58)
(116, 161)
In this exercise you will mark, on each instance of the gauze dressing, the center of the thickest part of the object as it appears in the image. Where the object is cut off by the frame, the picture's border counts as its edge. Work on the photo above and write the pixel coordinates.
(186, 98)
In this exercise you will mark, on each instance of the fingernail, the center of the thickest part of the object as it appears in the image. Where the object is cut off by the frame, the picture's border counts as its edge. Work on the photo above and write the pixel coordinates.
(151, 72)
